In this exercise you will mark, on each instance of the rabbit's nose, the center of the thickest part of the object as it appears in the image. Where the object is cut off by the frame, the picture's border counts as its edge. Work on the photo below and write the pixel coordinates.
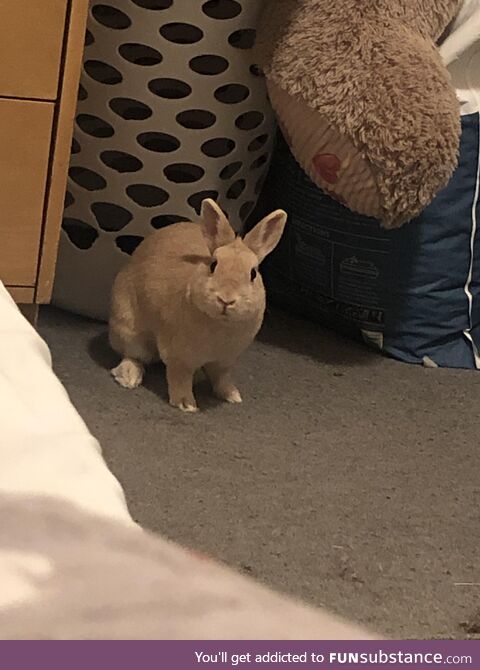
(225, 303)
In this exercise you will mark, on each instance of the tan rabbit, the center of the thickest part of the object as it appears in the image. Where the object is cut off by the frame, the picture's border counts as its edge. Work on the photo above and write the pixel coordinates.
(192, 296)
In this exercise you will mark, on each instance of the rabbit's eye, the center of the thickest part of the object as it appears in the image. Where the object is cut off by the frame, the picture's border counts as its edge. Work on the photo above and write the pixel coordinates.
(253, 274)
(213, 266)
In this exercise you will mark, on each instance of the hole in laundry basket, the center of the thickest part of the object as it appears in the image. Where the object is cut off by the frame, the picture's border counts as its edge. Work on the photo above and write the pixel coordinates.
(147, 195)
(229, 170)
(196, 199)
(256, 70)
(196, 119)
(69, 200)
(258, 142)
(93, 125)
(236, 189)
(111, 17)
(121, 161)
(128, 243)
(102, 72)
(76, 148)
(89, 38)
(181, 33)
(230, 94)
(129, 109)
(261, 160)
(249, 120)
(208, 64)
(87, 179)
(183, 173)
(159, 142)
(170, 88)
(246, 208)
(82, 93)
(111, 217)
(140, 54)
(243, 39)
(81, 234)
(222, 9)
(153, 4)
(218, 147)
(163, 220)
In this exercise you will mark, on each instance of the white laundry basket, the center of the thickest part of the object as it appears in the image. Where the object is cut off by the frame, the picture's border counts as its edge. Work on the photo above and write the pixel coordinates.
(171, 109)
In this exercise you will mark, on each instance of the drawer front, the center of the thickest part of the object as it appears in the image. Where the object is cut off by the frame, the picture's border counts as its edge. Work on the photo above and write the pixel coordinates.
(31, 38)
(25, 137)
(21, 294)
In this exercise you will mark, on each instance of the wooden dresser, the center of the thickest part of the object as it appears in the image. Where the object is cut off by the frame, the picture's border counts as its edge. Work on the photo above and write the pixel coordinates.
(41, 47)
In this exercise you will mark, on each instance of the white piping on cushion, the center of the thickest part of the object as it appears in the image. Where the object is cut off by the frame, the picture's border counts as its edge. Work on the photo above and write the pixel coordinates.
(472, 65)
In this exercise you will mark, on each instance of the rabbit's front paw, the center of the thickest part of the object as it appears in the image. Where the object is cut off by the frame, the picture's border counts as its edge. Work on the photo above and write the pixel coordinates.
(234, 396)
(185, 404)
(180, 386)
(128, 374)
(229, 394)
(222, 383)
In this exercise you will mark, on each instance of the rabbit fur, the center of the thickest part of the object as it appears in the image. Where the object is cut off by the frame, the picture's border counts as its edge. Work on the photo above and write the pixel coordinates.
(191, 295)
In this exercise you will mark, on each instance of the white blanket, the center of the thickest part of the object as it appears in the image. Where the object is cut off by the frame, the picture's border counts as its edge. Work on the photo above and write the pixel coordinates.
(45, 447)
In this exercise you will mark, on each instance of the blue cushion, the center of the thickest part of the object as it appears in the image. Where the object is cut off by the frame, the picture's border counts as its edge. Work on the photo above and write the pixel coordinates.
(413, 292)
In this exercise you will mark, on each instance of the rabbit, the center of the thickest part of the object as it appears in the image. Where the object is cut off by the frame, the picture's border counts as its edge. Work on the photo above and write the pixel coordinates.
(192, 296)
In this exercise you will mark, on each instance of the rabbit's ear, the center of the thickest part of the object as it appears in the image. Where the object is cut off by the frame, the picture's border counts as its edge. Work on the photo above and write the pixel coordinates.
(216, 229)
(266, 235)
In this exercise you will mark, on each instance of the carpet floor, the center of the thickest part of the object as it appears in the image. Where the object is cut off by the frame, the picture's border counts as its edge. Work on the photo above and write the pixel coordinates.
(345, 478)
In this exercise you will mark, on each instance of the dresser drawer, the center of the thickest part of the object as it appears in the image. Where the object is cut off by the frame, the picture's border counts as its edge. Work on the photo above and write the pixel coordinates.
(24, 295)
(31, 38)
(25, 137)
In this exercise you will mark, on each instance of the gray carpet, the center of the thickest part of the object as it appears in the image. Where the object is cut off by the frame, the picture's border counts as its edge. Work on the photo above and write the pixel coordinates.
(345, 478)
